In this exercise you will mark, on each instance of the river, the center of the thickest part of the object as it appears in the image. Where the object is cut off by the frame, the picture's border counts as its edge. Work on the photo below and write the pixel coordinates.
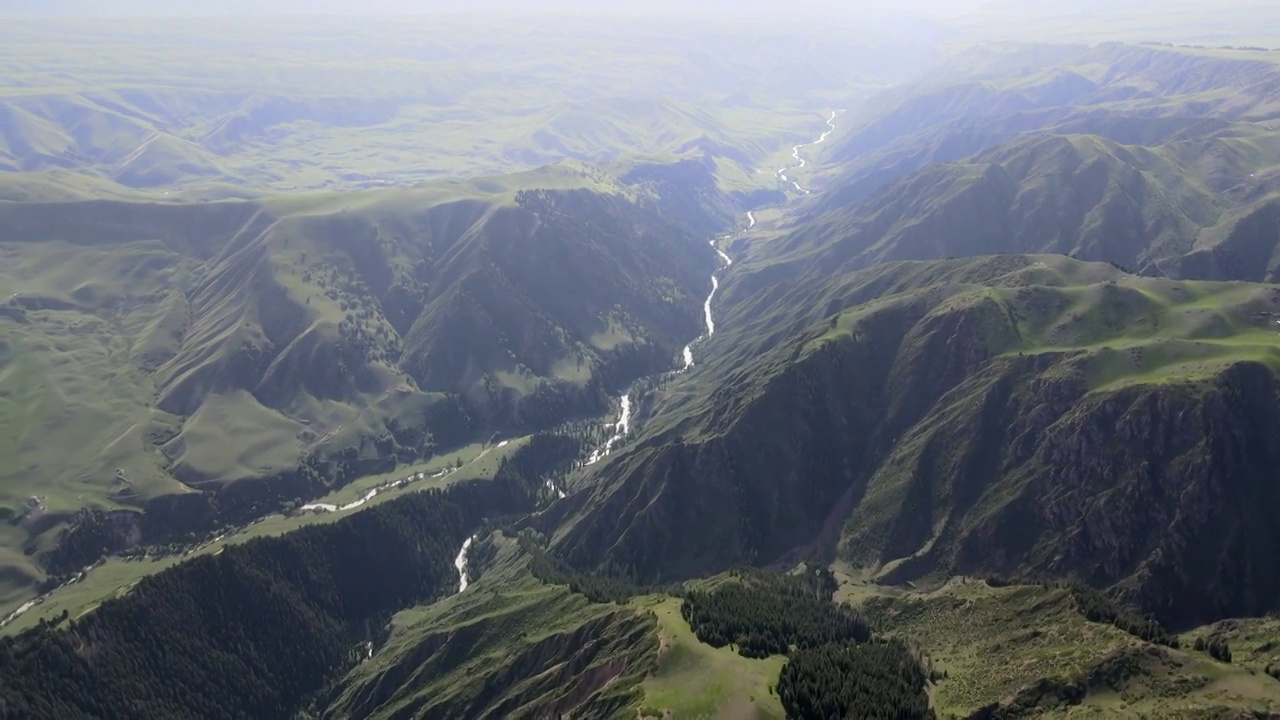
(460, 563)
(16, 613)
(620, 431)
(800, 162)
(709, 319)
(623, 425)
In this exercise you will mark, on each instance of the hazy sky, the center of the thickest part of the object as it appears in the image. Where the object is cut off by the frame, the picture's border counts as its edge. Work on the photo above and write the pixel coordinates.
(724, 8)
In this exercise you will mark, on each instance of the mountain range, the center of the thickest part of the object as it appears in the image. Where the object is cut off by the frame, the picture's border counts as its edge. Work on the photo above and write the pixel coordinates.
(1013, 416)
(207, 359)
(975, 401)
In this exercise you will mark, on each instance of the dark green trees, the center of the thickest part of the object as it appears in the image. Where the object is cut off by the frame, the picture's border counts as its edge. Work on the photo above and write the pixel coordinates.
(256, 629)
(869, 681)
(1217, 648)
(765, 614)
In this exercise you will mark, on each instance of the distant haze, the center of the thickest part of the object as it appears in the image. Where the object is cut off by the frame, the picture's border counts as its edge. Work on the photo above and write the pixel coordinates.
(720, 8)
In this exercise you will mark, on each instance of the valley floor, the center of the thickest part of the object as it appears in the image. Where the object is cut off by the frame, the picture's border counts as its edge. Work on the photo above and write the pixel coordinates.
(116, 576)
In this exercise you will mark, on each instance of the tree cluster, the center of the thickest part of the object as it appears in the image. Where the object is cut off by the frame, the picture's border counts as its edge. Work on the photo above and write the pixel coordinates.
(765, 614)
(93, 534)
(1218, 648)
(869, 681)
(1099, 608)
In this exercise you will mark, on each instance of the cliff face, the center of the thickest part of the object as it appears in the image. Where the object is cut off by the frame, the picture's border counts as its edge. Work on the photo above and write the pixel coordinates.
(1162, 491)
(980, 430)
(1165, 491)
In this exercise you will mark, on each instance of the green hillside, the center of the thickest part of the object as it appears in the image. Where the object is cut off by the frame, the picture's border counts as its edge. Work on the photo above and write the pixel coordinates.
(1026, 416)
(249, 353)
(1160, 160)
(508, 647)
(434, 367)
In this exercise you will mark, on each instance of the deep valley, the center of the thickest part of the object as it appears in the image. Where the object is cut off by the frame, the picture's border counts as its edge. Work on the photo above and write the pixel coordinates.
(495, 366)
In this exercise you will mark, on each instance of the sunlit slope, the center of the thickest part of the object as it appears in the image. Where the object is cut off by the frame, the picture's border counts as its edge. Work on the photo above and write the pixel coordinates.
(153, 349)
(1160, 160)
(510, 646)
(1196, 207)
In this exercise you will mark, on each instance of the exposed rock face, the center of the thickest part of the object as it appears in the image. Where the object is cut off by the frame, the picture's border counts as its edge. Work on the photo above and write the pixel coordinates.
(1164, 491)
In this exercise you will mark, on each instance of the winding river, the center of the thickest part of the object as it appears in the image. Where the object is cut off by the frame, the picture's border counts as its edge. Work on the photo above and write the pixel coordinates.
(622, 427)
(800, 162)
(373, 493)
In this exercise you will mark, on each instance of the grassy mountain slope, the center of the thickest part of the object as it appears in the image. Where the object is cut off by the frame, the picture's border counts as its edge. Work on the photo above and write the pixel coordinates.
(1140, 156)
(1028, 651)
(152, 350)
(1143, 95)
(509, 646)
(1021, 415)
(1079, 195)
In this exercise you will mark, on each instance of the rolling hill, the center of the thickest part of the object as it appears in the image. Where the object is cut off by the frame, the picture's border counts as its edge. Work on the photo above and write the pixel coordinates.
(1160, 160)
(209, 361)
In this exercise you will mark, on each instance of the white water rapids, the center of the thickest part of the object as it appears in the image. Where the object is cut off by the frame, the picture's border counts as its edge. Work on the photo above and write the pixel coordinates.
(460, 563)
(373, 493)
(708, 318)
(620, 430)
(14, 615)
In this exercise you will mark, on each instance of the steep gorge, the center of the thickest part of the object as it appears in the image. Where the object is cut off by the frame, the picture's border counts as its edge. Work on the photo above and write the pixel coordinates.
(998, 429)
